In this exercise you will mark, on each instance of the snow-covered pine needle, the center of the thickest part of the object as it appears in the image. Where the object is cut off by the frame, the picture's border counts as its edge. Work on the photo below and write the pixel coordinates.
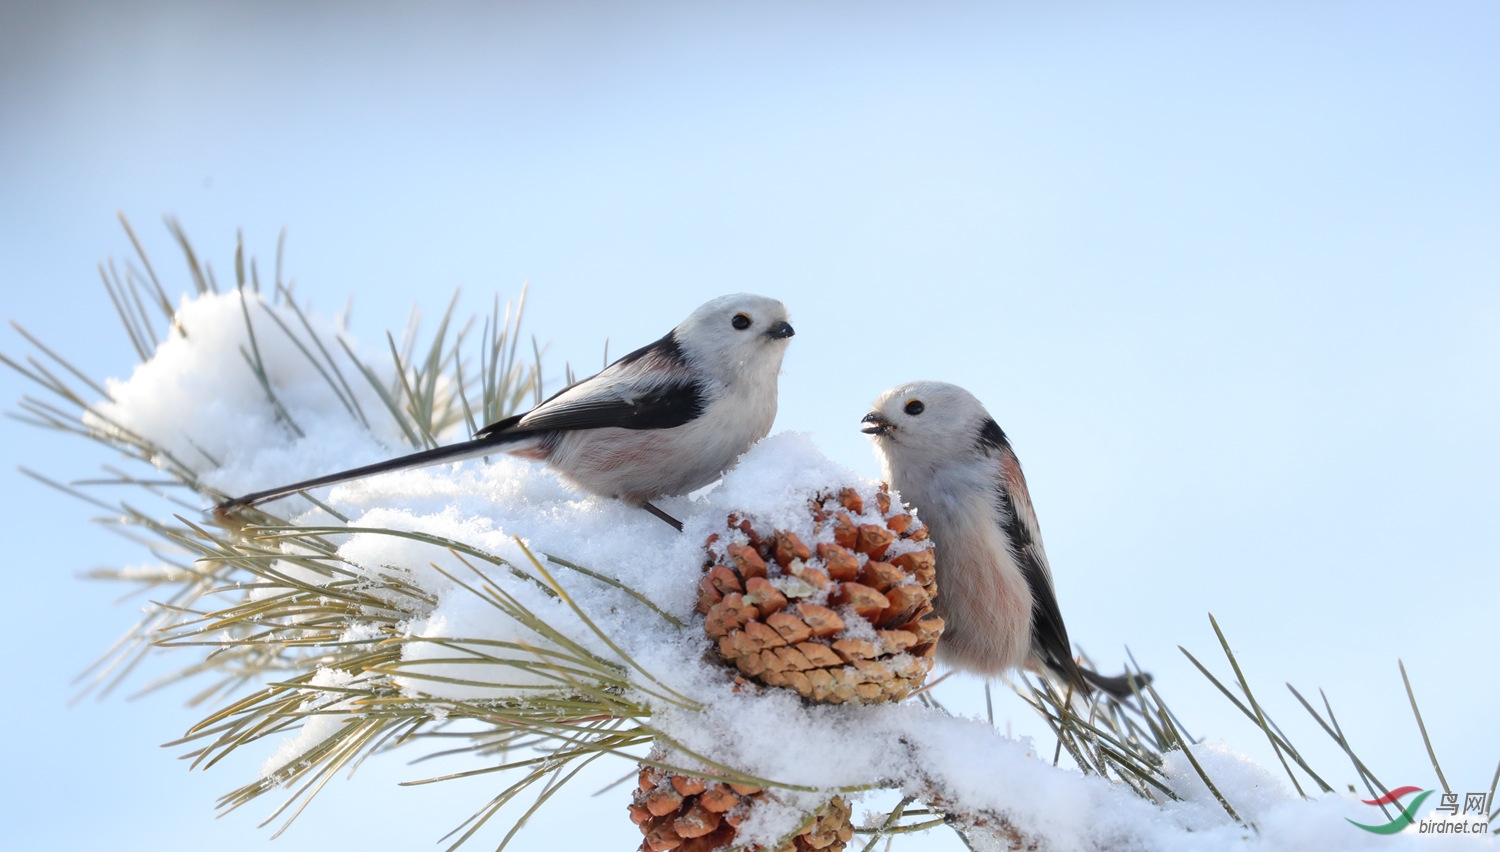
(1278, 741)
(1336, 733)
(292, 636)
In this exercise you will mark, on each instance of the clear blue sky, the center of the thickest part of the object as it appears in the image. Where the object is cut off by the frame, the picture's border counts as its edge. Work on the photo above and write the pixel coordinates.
(1227, 274)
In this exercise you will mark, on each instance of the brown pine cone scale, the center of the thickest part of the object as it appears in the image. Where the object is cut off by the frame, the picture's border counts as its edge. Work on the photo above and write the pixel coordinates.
(839, 610)
(687, 814)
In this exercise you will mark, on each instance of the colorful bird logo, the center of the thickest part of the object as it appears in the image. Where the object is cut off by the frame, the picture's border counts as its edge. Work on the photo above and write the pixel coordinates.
(1407, 815)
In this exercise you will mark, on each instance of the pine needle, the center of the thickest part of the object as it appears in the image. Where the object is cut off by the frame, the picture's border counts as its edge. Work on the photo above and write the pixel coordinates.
(280, 631)
(1421, 726)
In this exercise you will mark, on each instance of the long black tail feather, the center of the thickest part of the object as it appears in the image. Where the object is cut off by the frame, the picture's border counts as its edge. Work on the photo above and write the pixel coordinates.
(451, 452)
(1120, 686)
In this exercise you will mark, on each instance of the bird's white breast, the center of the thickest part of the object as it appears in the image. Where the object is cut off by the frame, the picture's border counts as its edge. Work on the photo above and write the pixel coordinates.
(982, 595)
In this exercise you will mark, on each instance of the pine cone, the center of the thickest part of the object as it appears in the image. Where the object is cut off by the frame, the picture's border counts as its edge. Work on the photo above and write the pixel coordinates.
(838, 609)
(688, 814)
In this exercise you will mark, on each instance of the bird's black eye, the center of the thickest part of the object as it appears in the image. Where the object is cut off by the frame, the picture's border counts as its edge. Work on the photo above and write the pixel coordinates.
(740, 321)
(914, 407)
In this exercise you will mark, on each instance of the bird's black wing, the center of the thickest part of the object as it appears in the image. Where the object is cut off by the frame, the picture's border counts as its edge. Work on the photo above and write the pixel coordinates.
(662, 407)
(1049, 636)
(651, 388)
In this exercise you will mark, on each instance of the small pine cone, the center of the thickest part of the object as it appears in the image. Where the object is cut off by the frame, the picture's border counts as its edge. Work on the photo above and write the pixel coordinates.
(687, 814)
(838, 608)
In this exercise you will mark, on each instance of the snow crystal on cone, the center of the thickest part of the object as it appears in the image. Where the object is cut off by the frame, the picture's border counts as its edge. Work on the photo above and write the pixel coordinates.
(688, 814)
(838, 609)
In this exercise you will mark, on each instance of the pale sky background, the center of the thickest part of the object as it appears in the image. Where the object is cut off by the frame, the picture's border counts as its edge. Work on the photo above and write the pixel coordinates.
(1228, 275)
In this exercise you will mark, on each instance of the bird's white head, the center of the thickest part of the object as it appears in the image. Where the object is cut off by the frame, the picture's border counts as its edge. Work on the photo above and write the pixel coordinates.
(737, 335)
(926, 425)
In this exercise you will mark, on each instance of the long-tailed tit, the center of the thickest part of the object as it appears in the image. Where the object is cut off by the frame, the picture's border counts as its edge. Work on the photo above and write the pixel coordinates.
(666, 419)
(949, 459)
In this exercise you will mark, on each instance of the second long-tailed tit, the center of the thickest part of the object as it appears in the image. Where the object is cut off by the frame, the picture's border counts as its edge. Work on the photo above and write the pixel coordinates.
(949, 460)
(666, 419)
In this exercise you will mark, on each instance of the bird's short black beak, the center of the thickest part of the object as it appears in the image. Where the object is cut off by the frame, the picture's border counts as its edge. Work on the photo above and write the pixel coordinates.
(780, 331)
(875, 425)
